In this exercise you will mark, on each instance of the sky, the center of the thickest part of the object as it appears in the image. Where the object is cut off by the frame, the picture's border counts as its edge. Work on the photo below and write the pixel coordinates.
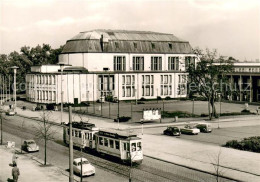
(230, 26)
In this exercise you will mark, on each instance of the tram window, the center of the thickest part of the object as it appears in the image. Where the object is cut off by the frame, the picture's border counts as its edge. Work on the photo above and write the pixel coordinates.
(72, 132)
(106, 142)
(124, 146)
(79, 134)
(139, 146)
(94, 137)
(117, 145)
(90, 136)
(133, 146)
(76, 133)
(100, 140)
(111, 143)
(128, 147)
(68, 131)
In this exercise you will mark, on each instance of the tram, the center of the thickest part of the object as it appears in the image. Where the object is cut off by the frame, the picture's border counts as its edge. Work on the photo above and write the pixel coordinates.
(118, 143)
(82, 134)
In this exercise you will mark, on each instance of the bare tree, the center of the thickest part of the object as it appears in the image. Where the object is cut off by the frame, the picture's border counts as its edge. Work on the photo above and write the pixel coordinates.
(44, 131)
(21, 128)
(1, 119)
(215, 161)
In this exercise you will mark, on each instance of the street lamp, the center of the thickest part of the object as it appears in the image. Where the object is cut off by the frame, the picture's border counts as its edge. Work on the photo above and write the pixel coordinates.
(61, 104)
(14, 68)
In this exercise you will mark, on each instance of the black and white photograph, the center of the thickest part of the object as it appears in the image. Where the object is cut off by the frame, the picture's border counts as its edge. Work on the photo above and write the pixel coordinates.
(130, 90)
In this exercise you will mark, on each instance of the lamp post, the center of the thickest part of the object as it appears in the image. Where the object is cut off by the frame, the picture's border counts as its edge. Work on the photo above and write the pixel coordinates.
(61, 93)
(14, 68)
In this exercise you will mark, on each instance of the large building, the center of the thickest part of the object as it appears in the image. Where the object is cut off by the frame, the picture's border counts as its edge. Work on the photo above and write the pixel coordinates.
(245, 81)
(128, 65)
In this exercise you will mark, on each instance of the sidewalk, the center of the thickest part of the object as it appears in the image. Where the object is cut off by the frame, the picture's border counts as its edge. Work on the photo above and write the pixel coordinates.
(236, 164)
(30, 170)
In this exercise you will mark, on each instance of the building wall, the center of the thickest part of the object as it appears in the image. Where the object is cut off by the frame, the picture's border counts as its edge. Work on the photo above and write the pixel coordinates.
(98, 61)
(47, 88)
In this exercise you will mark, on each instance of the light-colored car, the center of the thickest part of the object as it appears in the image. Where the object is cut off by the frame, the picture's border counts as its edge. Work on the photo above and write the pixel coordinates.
(87, 168)
(204, 127)
(189, 129)
(30, 146)
(10, 112)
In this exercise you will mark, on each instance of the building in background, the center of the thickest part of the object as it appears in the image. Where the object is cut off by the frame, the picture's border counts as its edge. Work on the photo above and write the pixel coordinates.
(127, 65)
(245, 81)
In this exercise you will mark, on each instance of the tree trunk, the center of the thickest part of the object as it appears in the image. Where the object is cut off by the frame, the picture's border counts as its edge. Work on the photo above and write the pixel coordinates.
(213, 108)
(209, 109)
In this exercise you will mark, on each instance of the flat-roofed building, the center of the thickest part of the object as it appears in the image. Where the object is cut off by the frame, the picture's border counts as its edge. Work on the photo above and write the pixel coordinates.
(124, 64)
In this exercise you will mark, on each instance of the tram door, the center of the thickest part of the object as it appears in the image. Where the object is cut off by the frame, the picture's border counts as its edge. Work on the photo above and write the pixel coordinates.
(125, 153)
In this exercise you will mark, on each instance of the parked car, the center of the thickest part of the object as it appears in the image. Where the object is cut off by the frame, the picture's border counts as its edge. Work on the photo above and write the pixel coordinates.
(30, 146)
(87, 168)
(190, 129)
(10, 112)
(172, 131)
(204, 127)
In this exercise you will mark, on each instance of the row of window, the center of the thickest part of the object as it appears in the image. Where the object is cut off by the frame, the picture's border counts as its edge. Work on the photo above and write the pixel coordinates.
(43, 79)
(75, 133)
(156, 63)
(109, 143)
(46, 95)
(153, 45)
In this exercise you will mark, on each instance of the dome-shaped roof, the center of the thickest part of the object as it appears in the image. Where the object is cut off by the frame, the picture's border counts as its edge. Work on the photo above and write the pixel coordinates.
(124, 41)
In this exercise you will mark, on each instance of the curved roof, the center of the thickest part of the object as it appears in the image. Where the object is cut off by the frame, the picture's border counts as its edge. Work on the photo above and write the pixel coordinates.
(124, 41)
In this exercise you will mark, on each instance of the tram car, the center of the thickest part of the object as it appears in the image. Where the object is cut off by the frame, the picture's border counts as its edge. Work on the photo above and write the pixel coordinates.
(82, 134)
(119, 143)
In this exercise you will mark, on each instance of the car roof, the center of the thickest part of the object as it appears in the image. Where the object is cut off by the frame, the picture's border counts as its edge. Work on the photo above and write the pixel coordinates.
(29, 140)
(79, 159)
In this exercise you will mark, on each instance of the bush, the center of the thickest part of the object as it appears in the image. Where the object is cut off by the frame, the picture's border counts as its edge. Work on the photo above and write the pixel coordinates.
(245, 111)
(109, 98)
(139, 102)
(159, 98)
(167, 98)
(50, 107)
(249, 144)
(123, 119)
(180, 114)
(142, 99)
(204, 115)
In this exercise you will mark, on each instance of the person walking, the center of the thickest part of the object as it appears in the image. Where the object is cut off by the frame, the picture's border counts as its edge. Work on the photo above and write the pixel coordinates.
(14, 159)
(15, 173)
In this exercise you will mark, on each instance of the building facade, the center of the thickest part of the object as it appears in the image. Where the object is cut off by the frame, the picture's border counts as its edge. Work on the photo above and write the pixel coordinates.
(128, 65)
(245, 82)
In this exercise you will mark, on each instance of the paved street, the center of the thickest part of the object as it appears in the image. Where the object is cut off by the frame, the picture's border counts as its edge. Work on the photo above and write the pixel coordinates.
(145, 172)
(187, 151)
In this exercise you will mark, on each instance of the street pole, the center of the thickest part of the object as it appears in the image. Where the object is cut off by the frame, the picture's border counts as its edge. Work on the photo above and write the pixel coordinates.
(71, 177)
(135, 96)
(81, 164)
(157, 95)
(1, 127)
(61, 104)
(15, 68)
(163, 109)
(192, 107)
(131, 111)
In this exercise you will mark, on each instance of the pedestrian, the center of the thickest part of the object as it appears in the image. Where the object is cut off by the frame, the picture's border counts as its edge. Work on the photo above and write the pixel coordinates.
(14, 159)
(15, 173)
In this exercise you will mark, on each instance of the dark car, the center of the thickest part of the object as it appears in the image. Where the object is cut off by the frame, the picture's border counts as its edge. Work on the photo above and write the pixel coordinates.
(172, 131)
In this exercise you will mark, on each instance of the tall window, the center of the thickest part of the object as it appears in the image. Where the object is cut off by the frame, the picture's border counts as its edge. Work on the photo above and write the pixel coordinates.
(156, 63)
(119, 63)
(106, 84)
(147, 85)
(173, 63)
(182, 85)
(166, 85)
(138, 63)
(128, 85)
(189, 60)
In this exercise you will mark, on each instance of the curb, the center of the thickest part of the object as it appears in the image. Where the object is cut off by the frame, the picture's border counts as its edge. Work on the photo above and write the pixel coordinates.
(195, 169)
